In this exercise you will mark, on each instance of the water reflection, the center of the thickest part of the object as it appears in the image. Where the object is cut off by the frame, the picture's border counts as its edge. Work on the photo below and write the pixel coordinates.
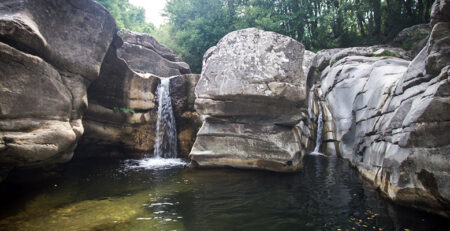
(326, 195)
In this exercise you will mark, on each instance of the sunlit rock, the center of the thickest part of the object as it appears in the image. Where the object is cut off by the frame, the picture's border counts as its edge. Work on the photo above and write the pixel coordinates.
(391, 117)
(252, 92)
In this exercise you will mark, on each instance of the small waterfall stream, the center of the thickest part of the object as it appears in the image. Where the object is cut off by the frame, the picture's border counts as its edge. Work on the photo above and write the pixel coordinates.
(319, 132)
(166, 131)
(165, 149)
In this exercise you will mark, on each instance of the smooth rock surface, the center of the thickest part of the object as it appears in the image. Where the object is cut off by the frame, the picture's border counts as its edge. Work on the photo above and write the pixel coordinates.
(390, 118)
(122, 113)
(250, 72)
(251, 94)
(144, 54)
(50, 51)
(121, 117)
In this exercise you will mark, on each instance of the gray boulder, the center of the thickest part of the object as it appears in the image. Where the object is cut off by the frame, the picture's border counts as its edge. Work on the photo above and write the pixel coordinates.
(440, 12)
(252, 92)
(50, 53)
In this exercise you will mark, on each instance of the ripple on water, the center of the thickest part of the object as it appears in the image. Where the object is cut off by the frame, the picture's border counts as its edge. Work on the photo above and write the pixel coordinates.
(155, 163)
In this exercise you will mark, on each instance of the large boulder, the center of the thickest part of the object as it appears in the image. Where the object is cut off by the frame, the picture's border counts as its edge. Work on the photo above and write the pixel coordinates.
(250, 72)
(146, 55)
(121, 118)
(390, 118)
(251, 93)
(50, 53)
(413, 39)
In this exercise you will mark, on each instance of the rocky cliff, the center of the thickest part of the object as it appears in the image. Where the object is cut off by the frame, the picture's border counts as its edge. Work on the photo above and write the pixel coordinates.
(121, 118)
(50, 52)
(55, 57)
(251, 94)
(390, 117)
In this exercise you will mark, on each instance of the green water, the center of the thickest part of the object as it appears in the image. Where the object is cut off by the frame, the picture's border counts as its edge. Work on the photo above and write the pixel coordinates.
(96, 195)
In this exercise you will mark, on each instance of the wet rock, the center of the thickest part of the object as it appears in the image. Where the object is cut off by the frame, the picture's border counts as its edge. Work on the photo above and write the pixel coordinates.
(252, 92)
(226, 144)
(188, 121)
(121, 118)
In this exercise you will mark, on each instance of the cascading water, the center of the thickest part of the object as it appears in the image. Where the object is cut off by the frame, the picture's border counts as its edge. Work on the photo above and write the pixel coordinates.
(166, 131)
(319, 131)
(165, 149)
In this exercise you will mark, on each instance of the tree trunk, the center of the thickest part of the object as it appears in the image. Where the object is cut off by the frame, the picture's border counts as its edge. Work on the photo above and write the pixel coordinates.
(377, 16)
(360, 18)
(428, 10)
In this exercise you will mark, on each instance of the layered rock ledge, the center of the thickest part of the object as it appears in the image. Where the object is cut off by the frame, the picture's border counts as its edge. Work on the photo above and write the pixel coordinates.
(251, 94)
(121, 118)
(390, 117)
(50, 52)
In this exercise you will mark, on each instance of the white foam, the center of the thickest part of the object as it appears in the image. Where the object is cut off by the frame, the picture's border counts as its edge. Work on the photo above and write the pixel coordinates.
(317, 154)
(155, 163)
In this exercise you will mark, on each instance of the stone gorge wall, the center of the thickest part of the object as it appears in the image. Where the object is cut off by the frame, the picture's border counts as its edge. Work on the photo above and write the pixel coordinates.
(258, 96)
(251, 94)
(390, 117)
(50, 51)
(122, 113)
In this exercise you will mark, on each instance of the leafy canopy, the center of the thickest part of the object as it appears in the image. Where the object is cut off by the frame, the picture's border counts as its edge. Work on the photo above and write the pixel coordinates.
(127, 15)
(196, 25)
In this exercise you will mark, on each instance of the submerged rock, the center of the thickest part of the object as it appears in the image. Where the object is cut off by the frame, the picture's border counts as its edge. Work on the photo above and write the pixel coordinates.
(390, 118)
(252, 92)
(50, 52)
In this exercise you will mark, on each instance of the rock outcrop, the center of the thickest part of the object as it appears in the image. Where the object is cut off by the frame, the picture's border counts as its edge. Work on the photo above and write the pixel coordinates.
(413, 39)
(122, 113)
(390, 117)
(251, 94)
(50, 51)
(144, 54)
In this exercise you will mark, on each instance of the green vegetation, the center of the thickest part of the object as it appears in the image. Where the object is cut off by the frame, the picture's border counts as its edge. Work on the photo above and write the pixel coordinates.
(125, 110)
(127, 15)
(385, 53)
(196, 25)
(414, 36)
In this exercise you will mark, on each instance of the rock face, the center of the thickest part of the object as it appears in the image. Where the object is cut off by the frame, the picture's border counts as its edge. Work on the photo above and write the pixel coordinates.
(122, 113)
(413, 39)
(390, 118)
(251, 93)
(50, 51)
(188, 121)
(144, 54)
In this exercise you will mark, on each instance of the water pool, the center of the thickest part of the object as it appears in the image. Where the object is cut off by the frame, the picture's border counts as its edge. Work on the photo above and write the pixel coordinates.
(141, 195)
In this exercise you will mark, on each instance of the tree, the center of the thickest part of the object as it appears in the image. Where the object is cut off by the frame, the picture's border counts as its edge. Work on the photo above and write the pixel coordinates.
(196, 25)
(127, 15)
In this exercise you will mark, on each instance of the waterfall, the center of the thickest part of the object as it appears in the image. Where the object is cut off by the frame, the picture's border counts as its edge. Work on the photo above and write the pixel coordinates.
(166, 131)
(319, 129)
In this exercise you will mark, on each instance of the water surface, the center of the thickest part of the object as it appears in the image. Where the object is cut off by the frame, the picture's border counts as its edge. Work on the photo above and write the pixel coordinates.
(143, 195)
